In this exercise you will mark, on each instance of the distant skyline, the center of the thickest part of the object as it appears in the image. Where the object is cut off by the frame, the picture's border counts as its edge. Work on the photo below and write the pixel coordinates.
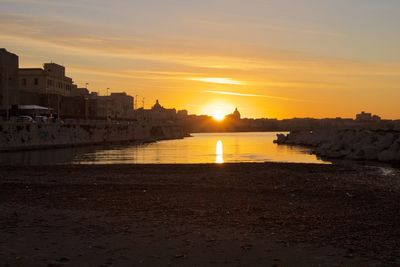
(269, 58)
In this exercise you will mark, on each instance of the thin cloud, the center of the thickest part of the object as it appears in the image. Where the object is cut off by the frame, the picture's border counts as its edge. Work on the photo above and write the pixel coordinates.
(253, 95)
(218, 81)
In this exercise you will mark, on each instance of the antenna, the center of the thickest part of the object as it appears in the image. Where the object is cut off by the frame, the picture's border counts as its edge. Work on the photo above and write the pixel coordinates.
(135, 104)
(143, 101)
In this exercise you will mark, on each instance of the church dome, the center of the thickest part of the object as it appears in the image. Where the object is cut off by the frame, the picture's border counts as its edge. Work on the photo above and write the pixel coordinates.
(236, 114)
(157, 105)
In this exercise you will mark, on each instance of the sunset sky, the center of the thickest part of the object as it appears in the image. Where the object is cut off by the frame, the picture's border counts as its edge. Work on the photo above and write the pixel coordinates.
(270, 58)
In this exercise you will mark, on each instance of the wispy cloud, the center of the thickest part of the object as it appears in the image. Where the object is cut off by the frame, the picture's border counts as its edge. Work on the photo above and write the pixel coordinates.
(253, 95)
(218, 81)
(85, 39)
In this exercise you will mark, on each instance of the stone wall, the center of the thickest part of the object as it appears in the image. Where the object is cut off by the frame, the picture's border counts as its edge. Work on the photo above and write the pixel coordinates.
(20, 136)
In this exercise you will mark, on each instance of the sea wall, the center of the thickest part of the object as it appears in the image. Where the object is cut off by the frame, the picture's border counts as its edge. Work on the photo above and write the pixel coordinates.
(20, 136)
(353, 144)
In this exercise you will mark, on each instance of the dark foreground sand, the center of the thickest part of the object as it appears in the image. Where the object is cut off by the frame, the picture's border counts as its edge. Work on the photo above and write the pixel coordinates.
(198, 215)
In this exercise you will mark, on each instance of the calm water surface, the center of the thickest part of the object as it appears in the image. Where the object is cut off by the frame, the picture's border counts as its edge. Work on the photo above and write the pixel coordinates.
(201, 148)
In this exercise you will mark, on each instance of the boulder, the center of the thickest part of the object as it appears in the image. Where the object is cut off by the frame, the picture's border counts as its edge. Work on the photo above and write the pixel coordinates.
(346, 152)
(387, 155)
(370, 152)
(398, 157)
(281, 139)
(385, 141)
(335, 154)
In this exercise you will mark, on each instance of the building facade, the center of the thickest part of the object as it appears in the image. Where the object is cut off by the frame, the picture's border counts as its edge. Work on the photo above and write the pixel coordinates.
(50, 79)
(122, 105)
(113, 106)
(156, 114)
(9, 93)
(50, 87)
(367, 117)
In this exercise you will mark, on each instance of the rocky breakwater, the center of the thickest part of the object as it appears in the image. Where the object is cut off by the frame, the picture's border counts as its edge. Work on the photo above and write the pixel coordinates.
(352, 144)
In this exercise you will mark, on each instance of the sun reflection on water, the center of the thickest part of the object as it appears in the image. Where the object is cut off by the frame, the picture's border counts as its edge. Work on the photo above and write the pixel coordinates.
(219, 153)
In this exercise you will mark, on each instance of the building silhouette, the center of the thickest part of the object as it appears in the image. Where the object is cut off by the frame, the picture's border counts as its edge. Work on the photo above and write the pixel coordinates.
(367, 117)
(9, 93)
(50, 87)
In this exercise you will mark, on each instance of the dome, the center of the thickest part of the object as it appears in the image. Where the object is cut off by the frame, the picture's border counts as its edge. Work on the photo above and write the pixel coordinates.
(157, 105)
(236, 114)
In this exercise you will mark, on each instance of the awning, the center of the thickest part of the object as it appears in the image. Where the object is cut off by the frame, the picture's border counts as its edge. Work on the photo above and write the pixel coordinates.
(33, 107)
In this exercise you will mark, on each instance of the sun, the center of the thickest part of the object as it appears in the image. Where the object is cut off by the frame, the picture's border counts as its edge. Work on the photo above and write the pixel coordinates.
(218, 115)
(218, 109)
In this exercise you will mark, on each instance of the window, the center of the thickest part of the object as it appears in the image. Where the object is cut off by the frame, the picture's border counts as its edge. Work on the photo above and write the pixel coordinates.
(36, 81)
(24, 82)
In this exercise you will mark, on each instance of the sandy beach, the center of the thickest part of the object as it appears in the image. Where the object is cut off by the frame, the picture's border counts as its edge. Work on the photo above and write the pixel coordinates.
(271, 214)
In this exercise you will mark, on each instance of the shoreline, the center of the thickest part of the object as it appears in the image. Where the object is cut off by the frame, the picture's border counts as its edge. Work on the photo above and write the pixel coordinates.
(199, 214)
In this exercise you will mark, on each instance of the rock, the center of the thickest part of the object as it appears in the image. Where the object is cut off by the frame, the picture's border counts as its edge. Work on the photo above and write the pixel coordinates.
(335, 154)
(370, 153)
(387, 155)
(180, 256)
(350, 143)
(366, 140)
(281, 139)
(338, 145)
(345, 152)
(325, 147)
(385, 141)
(398, 157)
(63, 259)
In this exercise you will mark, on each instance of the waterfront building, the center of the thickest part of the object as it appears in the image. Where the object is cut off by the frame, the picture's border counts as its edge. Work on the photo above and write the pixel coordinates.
(160, 113)
(367, 117)
(9, 93)
(74, 107)
(47, 86)
(113, 106)
(121, 105)
(80, 92)
(51, 88)
(50, 79)
(156, 114)
(182, 114)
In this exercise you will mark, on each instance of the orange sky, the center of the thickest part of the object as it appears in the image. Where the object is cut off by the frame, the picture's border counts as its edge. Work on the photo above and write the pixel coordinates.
(279, 59)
